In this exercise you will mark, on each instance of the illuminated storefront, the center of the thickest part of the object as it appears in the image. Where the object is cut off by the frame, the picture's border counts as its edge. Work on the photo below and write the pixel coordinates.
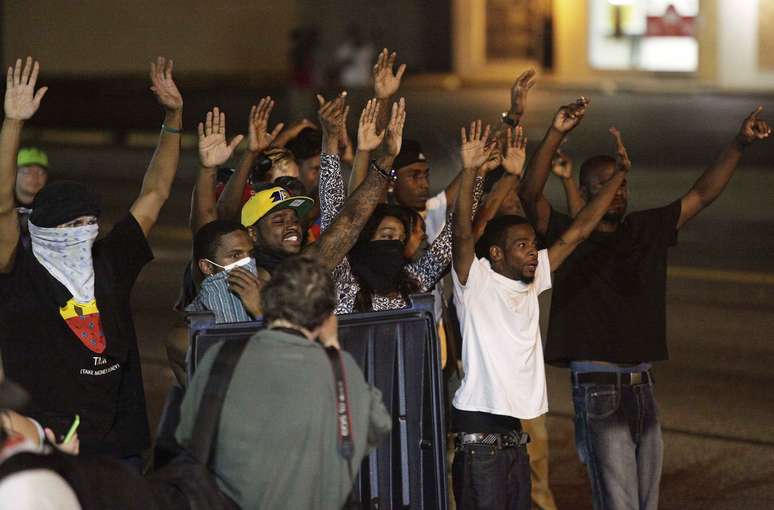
(725, 43)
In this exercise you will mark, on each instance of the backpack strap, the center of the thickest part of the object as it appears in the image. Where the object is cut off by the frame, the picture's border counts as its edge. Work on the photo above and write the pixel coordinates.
(208, 416)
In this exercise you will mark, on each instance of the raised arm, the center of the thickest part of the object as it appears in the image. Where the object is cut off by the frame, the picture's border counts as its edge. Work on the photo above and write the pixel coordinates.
(292, 131)
(561, 167)
(342, 234)
(512, 161)
(21, 103)
(331, 181)
(386, 83)
(712, 182)
(588, 217)
(258, 140)
(369, 138)
(213, 152)
(157, 182)
(474, 152)
(531, 195)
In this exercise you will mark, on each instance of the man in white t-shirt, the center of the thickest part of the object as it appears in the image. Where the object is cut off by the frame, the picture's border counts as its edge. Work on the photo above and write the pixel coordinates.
(496, 286)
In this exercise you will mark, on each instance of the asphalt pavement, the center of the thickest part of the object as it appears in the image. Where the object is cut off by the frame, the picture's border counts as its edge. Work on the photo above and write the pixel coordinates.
(715, 393)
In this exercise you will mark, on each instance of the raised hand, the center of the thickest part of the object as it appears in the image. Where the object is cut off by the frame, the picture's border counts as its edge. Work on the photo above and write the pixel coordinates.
(622, 161)
(164, 86)
(21, 100)
(331, 115)
(753, 128)
(561, 165)
(367, 137)
(213, 149)
(394, 138)
(475, 150)
(258, 136)
(515, 152)
(519, 91)
(386, 81)
(569, 116)
(71, 447)
(494, 160)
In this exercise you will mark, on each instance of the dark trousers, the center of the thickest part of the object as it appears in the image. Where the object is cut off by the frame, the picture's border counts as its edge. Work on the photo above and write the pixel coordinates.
(485, 478)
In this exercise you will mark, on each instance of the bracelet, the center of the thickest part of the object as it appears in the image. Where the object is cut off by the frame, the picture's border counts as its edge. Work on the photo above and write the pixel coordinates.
(172, 130)
(391, 176)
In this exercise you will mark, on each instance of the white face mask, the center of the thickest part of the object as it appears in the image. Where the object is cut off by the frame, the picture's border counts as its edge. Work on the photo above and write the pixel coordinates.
(66, 255)
(239, 263)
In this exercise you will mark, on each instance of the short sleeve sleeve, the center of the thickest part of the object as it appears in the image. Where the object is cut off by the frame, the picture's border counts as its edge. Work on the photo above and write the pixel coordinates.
(543, 272)
(477, 275)
(126, 249)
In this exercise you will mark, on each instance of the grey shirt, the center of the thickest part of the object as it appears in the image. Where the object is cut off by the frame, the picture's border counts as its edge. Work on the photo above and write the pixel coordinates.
(277, 444)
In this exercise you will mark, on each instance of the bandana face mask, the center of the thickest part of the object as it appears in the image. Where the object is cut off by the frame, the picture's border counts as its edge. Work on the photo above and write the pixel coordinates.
(218, 298)
(66, 255)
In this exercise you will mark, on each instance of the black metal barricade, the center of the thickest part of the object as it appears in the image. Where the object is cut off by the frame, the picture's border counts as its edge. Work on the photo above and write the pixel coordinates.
(398, 353)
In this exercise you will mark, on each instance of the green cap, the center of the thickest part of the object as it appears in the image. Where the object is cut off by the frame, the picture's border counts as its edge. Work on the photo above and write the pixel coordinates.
(31, 156)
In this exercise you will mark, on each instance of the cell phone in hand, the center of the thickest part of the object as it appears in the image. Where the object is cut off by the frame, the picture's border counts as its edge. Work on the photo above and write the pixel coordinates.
(73, 428)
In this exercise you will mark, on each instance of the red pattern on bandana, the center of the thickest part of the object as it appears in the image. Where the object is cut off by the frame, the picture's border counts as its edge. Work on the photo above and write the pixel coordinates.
(88, 329)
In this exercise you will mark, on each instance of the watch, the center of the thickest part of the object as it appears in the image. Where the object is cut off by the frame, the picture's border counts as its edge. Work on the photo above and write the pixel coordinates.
(508, 120)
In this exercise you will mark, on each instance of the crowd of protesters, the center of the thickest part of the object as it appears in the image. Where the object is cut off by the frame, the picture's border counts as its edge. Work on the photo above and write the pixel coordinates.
(283, 239)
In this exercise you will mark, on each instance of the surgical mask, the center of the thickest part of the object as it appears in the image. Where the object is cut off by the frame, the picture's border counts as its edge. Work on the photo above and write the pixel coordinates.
(239, 263)
(66, 255)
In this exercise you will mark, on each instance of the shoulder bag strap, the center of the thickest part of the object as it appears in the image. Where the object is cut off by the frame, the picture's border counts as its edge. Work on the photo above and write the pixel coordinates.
(208, 417)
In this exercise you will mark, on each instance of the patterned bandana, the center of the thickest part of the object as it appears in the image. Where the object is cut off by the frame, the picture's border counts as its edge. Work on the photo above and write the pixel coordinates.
(216, 297)
(66, 255)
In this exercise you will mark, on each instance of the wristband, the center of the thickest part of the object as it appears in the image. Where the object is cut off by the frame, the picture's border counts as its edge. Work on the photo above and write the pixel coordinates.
(391, 175)
(172, 130)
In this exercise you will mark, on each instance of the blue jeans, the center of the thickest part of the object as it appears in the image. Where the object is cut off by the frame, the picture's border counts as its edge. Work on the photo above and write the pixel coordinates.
(485, 478)
(618, 438)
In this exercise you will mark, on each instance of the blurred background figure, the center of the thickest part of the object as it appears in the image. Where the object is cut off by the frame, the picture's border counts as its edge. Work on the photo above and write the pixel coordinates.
(354, 58)
(31, 176)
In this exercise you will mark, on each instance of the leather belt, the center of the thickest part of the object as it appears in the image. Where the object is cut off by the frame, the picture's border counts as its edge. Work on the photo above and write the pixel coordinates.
(494, 440)
(627, 378)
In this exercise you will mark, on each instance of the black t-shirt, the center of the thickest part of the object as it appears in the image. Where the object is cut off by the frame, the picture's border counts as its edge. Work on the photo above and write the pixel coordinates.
(62, 375)
(609, 297)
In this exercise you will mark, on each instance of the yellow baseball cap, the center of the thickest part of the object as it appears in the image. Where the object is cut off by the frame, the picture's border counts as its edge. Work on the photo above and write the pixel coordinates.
(273, 199)
(31, 156)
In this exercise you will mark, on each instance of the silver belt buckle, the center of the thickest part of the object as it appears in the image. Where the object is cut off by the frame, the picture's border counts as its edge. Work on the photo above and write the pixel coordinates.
(635, 378)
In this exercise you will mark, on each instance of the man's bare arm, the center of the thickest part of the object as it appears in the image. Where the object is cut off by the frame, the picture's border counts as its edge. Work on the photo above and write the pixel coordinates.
(157, 182)
(258, 140)
(562, 168)
(712, 182)
(21, 103)
(512, 161)
(474, 151)
(535, 204)
(213, 152)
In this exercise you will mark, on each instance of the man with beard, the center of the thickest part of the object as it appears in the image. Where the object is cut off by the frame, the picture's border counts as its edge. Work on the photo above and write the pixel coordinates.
(67, 330)
(497, 281)
(608, 313)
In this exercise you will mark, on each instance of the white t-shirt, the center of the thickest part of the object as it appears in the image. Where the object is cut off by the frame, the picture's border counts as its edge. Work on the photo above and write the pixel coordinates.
(37, 489)
(501, 349)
